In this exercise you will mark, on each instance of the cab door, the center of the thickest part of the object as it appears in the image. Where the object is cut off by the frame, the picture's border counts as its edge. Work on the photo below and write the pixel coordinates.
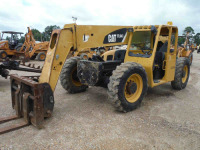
(170, 59)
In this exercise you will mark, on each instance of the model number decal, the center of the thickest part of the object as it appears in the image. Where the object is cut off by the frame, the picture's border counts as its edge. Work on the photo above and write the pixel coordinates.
(112, 38)
(117, 36)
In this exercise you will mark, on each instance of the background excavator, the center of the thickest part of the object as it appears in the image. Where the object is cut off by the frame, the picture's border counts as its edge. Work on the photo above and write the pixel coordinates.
(32, 49)
(187, 49)
(147, 61)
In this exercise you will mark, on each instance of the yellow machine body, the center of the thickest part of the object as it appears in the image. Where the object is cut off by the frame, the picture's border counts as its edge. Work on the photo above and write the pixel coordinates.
(37, 95)
(187, 49)
(30, 47)
(4, 45)
(8, 46)
(77, 37)
(73, 38)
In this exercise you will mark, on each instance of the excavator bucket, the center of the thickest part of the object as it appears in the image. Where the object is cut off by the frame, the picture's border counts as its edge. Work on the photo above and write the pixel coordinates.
(31, 100)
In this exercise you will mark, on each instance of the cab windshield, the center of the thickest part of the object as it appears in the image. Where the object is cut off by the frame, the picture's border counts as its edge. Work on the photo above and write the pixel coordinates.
(141, 40)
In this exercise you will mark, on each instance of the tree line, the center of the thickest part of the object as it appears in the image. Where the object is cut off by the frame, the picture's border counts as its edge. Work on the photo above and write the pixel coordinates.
(195, 38)
(42, 36)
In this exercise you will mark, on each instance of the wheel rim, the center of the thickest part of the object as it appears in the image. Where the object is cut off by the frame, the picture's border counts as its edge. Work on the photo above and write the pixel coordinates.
(3, 55)
(74, 77)
(133, 88)
(42, 57)
(185, 74)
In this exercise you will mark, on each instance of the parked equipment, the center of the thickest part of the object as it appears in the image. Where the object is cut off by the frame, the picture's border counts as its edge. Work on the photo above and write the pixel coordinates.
(8, 46)
(187, 49)
(198, 49)
(8, 64)
(31, 49)
(147, 61)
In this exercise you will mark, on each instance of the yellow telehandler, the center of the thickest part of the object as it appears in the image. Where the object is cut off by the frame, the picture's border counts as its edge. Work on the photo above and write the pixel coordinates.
(148, 60)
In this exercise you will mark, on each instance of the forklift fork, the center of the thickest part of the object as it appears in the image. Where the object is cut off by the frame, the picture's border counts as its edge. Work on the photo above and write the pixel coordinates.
(31, 100)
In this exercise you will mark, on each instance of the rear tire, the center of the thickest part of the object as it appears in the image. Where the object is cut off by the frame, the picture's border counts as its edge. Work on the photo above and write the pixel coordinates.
(41, 56)
(182, 73)
(68, 77)
(18, 47)
(127, 86)
(3, 54)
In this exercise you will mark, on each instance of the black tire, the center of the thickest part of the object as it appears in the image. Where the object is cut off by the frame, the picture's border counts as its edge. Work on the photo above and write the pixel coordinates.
(178, 84)
(69, 78)
(3, 54)
(41, 56)
(18, 47)
(191, 58)
(118, 80)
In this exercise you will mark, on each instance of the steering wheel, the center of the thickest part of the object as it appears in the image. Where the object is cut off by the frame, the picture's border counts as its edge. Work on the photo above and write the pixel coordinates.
(146, 52)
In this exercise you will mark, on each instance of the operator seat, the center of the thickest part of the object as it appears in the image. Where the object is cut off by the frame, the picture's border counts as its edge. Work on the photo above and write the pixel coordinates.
(160, 54)
(16, 42)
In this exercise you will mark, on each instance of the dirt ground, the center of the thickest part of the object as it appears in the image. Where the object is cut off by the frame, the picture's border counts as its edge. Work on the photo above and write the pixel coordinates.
(167, 119)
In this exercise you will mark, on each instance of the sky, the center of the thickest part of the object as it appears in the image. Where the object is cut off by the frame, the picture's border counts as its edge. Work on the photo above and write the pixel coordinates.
(17, 15)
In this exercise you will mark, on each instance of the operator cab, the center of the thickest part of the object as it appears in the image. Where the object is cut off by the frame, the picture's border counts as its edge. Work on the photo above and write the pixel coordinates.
(142, 44)
(12, 38)
(162, 55)
(153, 48)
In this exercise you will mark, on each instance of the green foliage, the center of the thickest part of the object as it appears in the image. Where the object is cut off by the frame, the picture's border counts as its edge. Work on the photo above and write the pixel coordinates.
(16, 37)
(36, 34)
(22, 39)
(44, 36)
(197, 38)
(181, 40)
(193, 38)
(8, 38)
(48, 30)
(188, 29)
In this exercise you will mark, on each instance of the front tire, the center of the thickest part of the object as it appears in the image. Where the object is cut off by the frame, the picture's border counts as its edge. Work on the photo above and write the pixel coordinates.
(3, 54)
(127, 86)
(182, 74)
(68, 77)
(41, 56)
(191, 58)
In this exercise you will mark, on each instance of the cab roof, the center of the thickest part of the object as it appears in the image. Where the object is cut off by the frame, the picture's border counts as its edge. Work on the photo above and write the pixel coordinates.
(12, 32)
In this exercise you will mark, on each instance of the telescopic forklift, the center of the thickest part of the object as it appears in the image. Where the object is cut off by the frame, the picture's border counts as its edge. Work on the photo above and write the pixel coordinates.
(148, 60)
